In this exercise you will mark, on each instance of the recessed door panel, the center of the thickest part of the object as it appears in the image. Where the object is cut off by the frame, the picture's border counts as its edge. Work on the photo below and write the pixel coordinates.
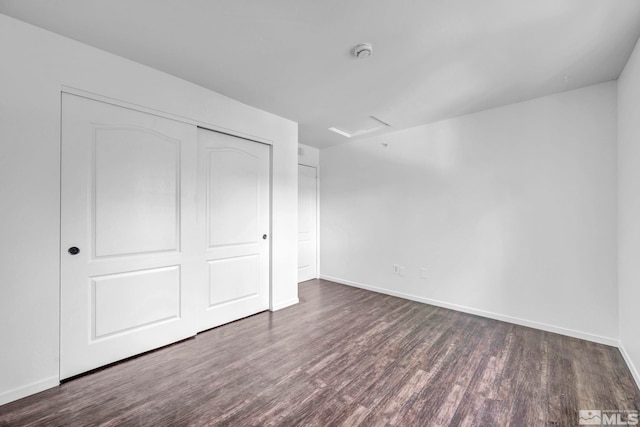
(136, 191)
(232, 197)
(306, 257)
(233, 279)
(124, 302)
(233, 194)
(129, 278)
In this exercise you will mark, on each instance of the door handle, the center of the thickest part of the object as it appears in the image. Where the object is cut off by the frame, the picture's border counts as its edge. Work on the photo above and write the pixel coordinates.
(264, 237)
(74, 250)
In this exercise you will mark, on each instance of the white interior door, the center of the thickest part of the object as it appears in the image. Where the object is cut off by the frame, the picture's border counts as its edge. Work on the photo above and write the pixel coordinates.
(128, 206)
(307, 223)
(233, 210)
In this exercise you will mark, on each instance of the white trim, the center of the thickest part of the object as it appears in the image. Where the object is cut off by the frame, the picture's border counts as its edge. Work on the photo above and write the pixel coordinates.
(304, 161)
(125, 104)
(285, 304)
(317, 275)
(632, 367)
(27, 390)
(496, 316)
(317, 168)
(318, 219)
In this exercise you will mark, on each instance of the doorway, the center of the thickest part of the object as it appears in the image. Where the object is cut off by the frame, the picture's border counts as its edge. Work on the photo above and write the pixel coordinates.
(307, 223)
(164, 231)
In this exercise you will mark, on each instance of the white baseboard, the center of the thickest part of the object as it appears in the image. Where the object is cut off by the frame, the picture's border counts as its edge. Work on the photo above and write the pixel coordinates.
(632, 367)
(284, 304)
(496, 316)
(33, 388)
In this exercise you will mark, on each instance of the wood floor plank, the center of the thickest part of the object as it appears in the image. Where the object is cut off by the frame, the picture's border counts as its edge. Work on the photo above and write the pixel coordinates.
(346, 357)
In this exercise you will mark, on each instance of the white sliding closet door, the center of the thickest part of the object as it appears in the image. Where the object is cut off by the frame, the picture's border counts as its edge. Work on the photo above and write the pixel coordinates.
(233, 211)
(129, 280)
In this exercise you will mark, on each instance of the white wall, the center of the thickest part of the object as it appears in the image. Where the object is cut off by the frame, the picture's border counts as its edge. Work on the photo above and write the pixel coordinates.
(629, 210)
(35, 65)
(511, 210)
(308, 155)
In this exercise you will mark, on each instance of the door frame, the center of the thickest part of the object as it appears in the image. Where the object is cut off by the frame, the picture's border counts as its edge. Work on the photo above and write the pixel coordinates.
(64, 89)
(301, 162)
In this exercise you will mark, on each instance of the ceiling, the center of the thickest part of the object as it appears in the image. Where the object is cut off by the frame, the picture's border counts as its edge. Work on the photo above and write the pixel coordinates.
(432, 59)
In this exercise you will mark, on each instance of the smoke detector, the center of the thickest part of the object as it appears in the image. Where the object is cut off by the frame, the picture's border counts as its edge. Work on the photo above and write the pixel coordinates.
(362, 50)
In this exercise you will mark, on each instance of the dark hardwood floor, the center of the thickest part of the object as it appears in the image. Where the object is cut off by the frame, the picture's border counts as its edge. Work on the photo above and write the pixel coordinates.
(346, 356)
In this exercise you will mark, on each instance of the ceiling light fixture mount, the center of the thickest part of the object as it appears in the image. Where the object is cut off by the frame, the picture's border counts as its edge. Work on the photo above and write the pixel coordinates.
(362, 50)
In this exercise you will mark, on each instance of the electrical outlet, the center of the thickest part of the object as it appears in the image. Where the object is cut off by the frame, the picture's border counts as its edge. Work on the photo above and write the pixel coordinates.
(423, 273)
(396, 269)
